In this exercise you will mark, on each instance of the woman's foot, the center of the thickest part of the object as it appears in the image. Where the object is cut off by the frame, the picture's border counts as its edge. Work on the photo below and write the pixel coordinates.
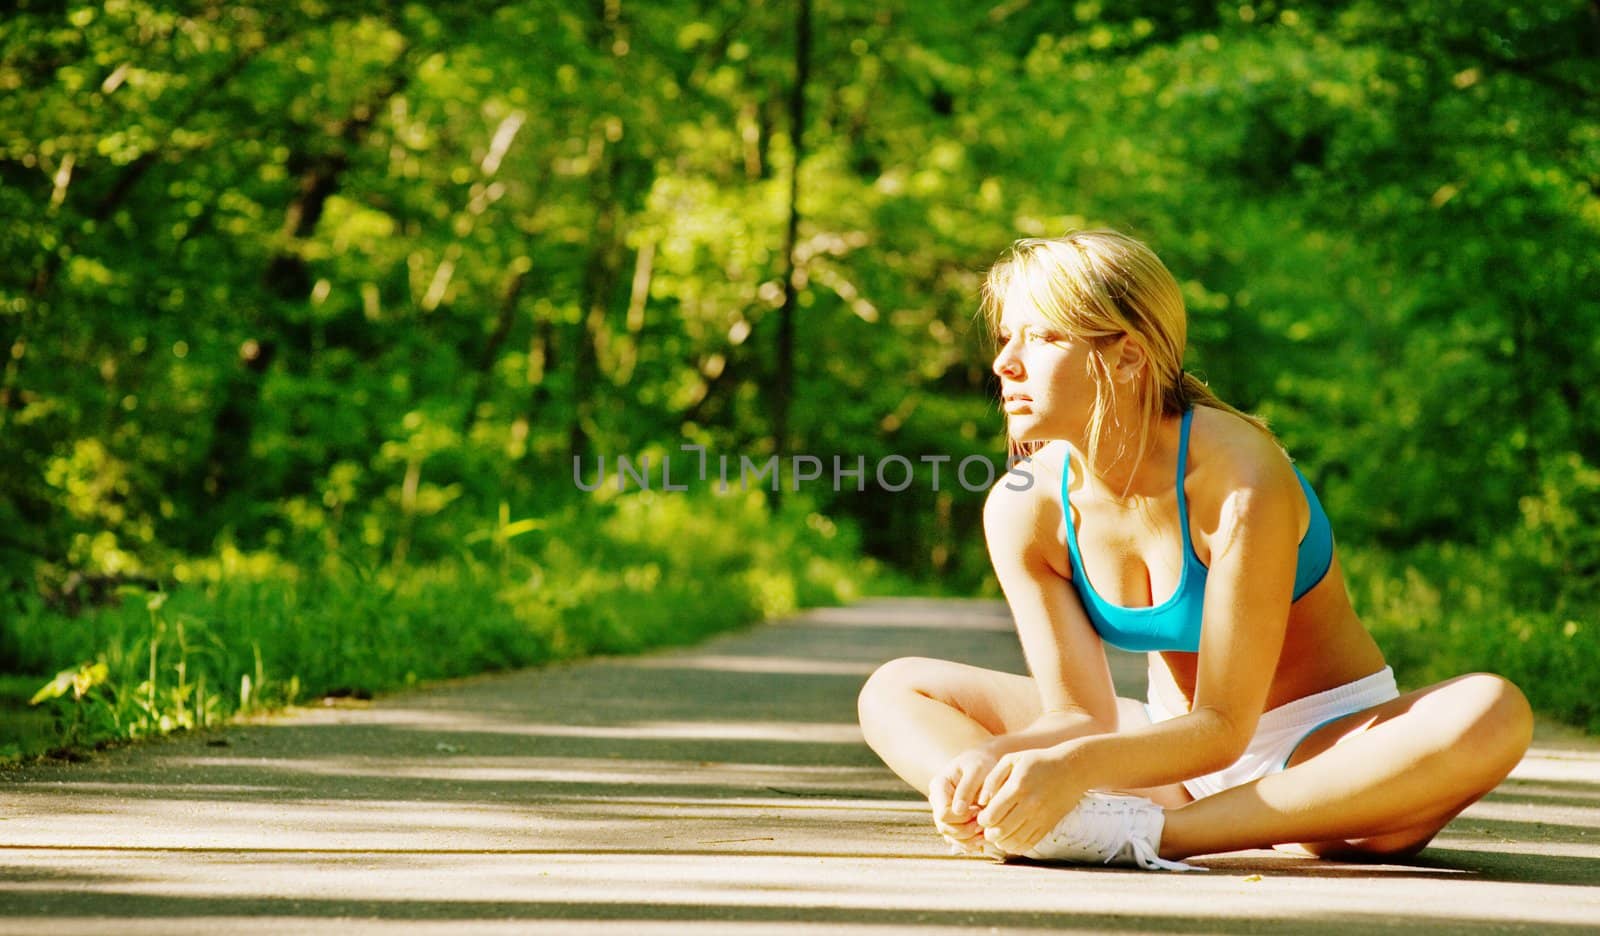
(1109, 829)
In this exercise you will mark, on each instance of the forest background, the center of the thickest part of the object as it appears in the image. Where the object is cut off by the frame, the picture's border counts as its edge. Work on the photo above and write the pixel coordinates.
(309, 307)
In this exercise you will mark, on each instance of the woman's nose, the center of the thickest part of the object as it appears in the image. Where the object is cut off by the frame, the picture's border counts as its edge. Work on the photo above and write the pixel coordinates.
(1005, 362)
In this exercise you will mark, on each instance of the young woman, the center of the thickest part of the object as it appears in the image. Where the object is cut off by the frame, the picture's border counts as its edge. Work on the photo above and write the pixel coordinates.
(1160, 519)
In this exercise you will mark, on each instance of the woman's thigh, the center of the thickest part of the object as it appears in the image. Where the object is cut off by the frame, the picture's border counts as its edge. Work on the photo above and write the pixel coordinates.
(1478, 716)
(1463, 735)
(999, 702)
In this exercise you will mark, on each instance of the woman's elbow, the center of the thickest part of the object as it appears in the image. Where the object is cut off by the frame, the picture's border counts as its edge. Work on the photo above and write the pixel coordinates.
(1227, 737)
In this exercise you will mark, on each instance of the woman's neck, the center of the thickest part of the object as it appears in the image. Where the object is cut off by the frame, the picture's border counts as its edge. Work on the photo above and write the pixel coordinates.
(1125, 476)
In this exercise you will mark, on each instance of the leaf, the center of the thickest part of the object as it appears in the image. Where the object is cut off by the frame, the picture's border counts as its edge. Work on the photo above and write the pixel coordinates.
(528, 525)
(87, 677)
(55, 688)
(80, 679)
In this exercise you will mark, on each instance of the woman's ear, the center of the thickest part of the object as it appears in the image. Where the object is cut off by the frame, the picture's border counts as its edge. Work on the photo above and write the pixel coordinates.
(1128, 358)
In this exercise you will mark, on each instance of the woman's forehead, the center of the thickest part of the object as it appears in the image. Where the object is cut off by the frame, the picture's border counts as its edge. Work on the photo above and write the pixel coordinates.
(1018, 307)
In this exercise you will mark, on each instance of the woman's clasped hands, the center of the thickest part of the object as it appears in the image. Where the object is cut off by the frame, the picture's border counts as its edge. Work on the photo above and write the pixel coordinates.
(1002, 804)
(953, 795)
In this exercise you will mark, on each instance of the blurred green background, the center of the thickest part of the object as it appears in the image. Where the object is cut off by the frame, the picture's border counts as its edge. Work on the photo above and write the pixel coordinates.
(307, 308)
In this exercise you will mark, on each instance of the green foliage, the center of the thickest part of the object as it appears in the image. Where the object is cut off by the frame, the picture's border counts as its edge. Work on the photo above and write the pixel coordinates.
(78, 681)
(302, 293)
(1439, 612)
(255, 634)
(1523, 606)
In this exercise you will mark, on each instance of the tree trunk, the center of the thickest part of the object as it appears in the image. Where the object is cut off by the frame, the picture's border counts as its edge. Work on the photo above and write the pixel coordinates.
(593, 329)
(288, 280)
(784, 389)
(484, 370)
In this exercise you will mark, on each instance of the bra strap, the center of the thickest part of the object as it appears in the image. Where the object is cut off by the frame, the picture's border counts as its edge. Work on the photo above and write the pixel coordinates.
(1183, 463)
(1066, 507)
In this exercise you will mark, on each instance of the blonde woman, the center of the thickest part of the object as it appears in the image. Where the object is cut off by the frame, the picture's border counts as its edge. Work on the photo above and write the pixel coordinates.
(1161, 519)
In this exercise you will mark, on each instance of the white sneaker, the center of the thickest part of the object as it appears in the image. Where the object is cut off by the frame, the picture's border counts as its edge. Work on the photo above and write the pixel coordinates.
(1112, 829)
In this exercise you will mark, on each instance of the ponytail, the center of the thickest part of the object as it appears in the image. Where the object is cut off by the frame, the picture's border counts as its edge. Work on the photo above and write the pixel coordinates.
(1190, 391)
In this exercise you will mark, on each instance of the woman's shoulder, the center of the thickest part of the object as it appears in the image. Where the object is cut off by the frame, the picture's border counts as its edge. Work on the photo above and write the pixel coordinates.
(1032, 487)
(1227, 448)
(1231, 460)
(1022, 514)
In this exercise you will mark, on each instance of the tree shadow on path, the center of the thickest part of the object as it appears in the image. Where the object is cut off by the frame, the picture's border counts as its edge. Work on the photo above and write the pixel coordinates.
(726, 782)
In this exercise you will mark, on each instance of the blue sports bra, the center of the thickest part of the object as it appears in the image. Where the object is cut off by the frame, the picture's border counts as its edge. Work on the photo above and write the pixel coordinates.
(1175, 624)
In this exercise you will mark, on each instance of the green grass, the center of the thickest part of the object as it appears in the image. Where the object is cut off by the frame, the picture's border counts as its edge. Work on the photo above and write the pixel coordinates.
(256, 632)
(1442, 611)
(24, 728)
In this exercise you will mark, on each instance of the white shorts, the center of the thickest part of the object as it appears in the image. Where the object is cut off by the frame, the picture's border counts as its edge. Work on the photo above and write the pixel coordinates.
(1282, 729)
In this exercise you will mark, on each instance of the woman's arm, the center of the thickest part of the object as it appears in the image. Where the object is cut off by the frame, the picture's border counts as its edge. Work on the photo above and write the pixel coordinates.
(1248, 593)
(1064, 654)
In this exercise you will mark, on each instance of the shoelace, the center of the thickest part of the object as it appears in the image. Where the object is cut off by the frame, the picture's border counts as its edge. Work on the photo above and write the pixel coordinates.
(1145, 855)
(1119, 840)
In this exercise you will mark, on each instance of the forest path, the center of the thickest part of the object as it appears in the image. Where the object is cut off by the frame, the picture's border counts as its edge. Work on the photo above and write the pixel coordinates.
(719, 788)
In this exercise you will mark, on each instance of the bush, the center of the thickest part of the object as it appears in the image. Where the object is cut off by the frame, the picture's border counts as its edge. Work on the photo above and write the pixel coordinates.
(1526, 606)
(622, 574)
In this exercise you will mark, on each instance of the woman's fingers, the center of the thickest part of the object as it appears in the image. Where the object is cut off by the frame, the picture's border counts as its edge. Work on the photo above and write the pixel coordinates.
(996, 778)
(974, 845)
(1001, 793)
(1020, 822)
(966, 793)
(966, 837)
(964, 831)
(1017, 798)
(1010, 826)
(1011, 815)
(1020, 839)
(1001, 806)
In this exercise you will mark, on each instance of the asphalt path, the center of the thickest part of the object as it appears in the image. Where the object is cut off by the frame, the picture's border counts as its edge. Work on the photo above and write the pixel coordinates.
(721, 788)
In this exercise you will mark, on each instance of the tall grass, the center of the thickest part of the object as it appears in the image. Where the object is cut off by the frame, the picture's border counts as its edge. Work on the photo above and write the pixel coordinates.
(1525, 605)
(1444, 610)
(253, 631)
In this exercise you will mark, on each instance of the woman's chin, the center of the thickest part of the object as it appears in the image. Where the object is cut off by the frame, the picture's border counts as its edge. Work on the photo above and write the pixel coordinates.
(1024, 427)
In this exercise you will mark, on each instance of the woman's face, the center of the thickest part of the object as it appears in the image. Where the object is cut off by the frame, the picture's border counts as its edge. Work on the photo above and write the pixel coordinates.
(1046, 388)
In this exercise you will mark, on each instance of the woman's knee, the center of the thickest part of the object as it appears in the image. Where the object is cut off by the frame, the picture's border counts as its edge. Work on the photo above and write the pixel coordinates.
(1492, 723)
(893, 681)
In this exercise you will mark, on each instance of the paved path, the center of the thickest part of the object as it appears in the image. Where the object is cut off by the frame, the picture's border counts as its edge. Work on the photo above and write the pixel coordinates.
(719, 789)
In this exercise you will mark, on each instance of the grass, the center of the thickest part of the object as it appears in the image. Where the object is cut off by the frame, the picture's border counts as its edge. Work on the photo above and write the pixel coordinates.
(1441, 611)
(24, 728)
(252, 632)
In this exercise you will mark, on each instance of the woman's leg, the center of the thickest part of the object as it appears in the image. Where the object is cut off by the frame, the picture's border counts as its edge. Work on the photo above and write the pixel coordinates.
(1377, 783)
(919, 713)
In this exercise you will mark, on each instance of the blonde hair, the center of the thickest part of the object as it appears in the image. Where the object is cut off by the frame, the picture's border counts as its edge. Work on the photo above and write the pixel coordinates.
(1098, 286)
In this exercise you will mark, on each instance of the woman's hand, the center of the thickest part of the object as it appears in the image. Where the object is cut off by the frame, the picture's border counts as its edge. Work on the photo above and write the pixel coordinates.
(1025, 796)
(953, 796)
